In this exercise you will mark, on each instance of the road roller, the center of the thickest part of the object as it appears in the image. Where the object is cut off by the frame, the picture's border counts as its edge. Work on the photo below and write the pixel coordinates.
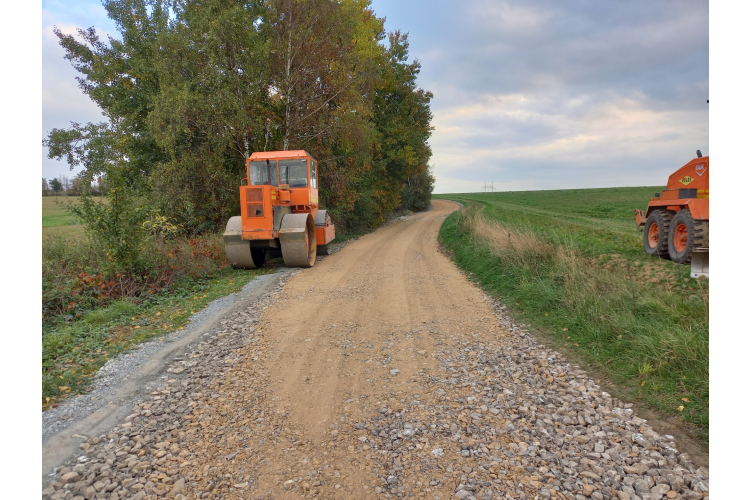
(279, 212)
(675, 225)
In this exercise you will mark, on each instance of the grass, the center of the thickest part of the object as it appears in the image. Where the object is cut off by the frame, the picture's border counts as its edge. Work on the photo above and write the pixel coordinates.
(73, 351)
(56, 220)
(570, 264)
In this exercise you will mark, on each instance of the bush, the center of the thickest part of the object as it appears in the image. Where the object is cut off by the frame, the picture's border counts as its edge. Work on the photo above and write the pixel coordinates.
(77, 275)
(417, 192)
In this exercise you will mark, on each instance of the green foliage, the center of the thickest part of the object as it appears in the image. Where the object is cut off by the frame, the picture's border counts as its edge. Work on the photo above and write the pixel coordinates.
(56, 185)
(571, 264)
(212, 69)
(118, 227)
(418, 191)
(191, 88)
(401, 118)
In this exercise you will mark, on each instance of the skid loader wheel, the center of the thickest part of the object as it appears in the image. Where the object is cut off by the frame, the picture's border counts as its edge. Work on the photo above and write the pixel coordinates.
(685, 235)
(238, 251)
(297, 237)
(656, 233)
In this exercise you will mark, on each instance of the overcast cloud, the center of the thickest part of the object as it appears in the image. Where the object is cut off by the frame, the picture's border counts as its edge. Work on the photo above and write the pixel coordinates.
(528, 94)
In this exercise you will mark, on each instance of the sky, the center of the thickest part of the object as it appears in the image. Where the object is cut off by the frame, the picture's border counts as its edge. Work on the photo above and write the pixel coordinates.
(527, 94)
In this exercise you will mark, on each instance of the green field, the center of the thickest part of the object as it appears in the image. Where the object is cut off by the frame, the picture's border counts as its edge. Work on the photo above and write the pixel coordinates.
(56, 220)
(570, 264)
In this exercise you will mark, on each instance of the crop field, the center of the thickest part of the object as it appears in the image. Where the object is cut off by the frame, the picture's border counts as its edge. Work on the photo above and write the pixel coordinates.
(55, 218)
(571, 265)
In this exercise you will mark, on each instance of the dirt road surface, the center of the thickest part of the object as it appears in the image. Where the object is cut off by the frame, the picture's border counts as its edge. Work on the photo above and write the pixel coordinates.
(382, 372)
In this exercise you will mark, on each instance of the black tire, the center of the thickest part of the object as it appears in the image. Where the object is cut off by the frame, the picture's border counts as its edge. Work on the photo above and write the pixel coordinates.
(685, 235)
(322, 249)
(657, 246)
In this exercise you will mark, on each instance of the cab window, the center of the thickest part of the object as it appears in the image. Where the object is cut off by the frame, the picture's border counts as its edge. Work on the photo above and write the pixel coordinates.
(264, 172)
(295, 172)
(313, 174)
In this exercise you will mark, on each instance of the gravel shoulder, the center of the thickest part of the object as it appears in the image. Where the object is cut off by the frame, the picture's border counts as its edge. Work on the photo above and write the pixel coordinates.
(133, 375)
(382, 372)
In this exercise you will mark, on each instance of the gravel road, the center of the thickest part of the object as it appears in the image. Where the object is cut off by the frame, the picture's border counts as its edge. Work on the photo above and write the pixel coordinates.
(382, 372)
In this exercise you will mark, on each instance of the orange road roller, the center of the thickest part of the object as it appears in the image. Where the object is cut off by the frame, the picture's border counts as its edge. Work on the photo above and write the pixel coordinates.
(279, 212)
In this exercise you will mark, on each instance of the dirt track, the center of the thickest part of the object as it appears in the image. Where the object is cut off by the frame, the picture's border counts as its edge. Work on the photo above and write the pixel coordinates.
(336, 333)
(382, 372)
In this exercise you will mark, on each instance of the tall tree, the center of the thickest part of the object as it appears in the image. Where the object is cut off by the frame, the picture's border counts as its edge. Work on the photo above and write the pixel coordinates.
(323, 66)
(45, 187)
(401, 115)
(211, 111)
(120, 76)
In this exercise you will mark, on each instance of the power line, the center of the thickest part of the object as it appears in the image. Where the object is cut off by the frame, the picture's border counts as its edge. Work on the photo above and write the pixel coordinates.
(488, 189)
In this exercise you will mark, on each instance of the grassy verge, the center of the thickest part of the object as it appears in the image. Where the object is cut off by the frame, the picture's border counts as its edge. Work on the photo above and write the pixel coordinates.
(570, 264)
(73, 351)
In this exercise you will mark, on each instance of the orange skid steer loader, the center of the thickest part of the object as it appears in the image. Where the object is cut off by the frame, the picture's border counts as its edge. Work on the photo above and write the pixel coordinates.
(675, 225)
(279, 211)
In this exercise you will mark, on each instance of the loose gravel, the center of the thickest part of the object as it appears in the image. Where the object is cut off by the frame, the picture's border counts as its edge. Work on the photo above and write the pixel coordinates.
(117, 371)
(507, 419)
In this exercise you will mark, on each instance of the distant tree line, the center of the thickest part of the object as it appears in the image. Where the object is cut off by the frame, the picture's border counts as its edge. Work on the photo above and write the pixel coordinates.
(78, 186)
(193, 87)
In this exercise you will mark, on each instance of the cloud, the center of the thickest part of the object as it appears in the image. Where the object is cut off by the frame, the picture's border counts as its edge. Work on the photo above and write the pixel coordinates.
(546, 94)
(533, 94)
(553, 142)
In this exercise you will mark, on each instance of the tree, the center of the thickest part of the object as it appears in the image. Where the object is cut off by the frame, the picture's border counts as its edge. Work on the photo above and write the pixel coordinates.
(211, 110)
(120, 76)
(65, 182)
(417, 192)
(401, 114)
(45, 187)
(56, 186)
(80, 186)
(323, 66)
(191, 88)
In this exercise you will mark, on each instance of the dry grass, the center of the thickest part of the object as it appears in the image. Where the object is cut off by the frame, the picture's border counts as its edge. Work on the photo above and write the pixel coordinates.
(502, 238)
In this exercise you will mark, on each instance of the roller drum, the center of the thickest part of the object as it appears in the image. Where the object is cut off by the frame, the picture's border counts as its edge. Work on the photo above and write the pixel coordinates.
(298, 243)
(239, 253)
